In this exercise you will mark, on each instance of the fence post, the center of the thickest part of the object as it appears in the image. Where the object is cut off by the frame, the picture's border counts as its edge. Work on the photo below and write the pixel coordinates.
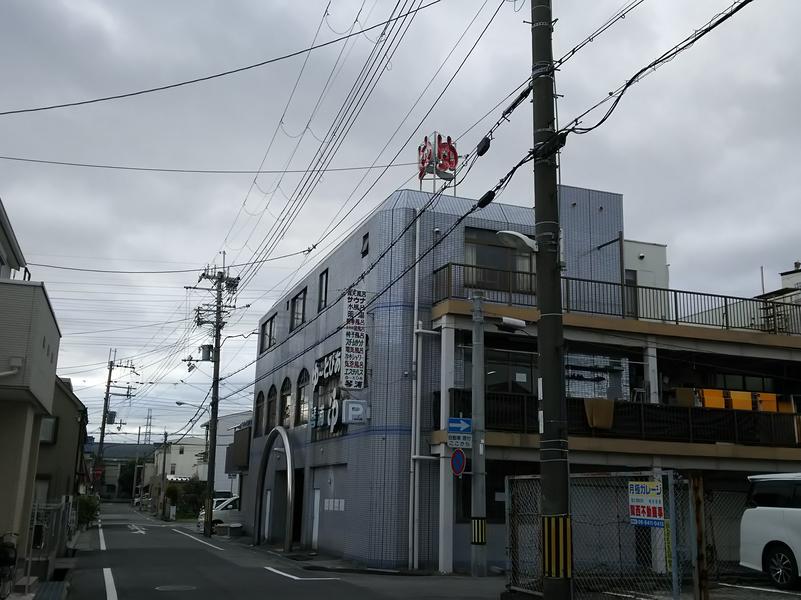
(449, 289)
(508, 511)
(676, 306)
(726, 313)
(700, 572)
(674, 523)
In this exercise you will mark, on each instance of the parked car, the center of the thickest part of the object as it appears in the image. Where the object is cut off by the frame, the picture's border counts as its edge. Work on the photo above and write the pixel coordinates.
(770, 528)
(226, 511)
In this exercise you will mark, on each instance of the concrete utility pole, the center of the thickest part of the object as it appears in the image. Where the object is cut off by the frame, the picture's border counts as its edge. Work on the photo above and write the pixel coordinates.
(106, 398)
(478, 513)
(220, 282)
(164, 477)
(112, 364)
(557, 556)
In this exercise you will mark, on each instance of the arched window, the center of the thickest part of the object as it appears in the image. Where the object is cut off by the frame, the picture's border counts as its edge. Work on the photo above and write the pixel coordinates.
(302, 399)
(258, 416)
(272, 397)
(286, 403)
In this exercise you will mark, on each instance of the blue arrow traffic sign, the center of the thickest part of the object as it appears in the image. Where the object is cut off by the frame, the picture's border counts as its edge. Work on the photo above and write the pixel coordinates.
(460, 425)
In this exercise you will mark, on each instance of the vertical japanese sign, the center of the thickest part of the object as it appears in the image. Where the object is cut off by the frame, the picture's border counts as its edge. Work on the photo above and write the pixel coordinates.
(354, 340)
(645, 504)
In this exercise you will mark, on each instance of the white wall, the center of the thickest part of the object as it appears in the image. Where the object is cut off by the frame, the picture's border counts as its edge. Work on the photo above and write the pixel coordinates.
(186, 464)
(652, 268)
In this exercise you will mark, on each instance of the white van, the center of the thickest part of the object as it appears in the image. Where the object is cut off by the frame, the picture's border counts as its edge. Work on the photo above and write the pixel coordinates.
(226, 511)
(770, 528)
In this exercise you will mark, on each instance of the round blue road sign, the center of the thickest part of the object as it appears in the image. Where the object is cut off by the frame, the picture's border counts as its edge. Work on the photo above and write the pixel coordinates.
(458, 462)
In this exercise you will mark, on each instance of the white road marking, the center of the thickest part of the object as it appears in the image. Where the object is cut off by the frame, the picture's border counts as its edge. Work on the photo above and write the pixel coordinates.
(111, 591)
(619, 595)
(136, 528)
(277, 572)
(192, 537)
(759, 589)
(102, 539)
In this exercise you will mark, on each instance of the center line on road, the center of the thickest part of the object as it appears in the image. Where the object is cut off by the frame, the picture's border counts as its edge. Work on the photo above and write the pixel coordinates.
(111, 591)
(277, 572)
(102, 539)
(192, 537)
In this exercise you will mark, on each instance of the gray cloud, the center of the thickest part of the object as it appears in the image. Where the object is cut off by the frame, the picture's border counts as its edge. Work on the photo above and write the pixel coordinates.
(703, 150)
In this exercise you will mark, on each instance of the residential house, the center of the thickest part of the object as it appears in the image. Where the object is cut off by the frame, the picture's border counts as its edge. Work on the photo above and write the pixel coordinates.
(29, 343)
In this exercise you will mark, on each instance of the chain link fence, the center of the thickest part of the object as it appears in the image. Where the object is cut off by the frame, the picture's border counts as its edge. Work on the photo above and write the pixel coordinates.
(631, 534)
(723, 510)
(615, 551)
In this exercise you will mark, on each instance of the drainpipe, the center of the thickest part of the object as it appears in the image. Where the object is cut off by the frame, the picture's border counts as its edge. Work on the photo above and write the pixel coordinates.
(413, 466)
(13, 371)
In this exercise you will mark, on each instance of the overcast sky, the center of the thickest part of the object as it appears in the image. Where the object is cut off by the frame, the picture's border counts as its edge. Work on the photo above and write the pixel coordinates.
(704, 150)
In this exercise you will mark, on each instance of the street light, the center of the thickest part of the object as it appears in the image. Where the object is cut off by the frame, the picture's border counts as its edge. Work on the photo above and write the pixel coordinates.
(198, 406)
(516, 240)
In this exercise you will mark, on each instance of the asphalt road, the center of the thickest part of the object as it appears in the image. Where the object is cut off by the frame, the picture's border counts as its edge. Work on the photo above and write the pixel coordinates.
(133, 557)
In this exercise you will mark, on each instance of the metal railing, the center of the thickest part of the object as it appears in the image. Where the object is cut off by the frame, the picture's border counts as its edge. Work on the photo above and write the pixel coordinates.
(634, 420)
(680, 307)
(456, 280)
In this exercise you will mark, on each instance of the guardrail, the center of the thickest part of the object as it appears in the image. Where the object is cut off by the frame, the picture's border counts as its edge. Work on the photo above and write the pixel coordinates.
(681, 307)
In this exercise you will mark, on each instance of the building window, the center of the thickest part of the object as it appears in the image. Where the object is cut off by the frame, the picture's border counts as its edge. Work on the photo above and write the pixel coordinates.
(180, 449)
(172, 468)
(267, 337)
(272, 396)
(297, 310)
(258, 415)
(286, 403)
(48, 430)
(365, 244)
(493, 266)
(302, 402)
(322, 292)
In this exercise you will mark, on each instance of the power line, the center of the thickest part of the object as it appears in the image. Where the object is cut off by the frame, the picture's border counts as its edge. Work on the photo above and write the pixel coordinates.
(357, 97)
(249, 276)
(616, 95)
(259, 171)
(162, 272)
(127, 328)
(215, 75)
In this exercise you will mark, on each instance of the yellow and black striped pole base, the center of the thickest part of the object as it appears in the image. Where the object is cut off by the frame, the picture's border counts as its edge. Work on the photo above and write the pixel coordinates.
(479, 531)
(557, 551)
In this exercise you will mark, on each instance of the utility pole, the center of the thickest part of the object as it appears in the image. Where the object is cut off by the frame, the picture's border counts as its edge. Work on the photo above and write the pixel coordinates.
(164, 476)
(220, 282)
(106, 398)
(136, 467)
(555, 510)
(478, 512)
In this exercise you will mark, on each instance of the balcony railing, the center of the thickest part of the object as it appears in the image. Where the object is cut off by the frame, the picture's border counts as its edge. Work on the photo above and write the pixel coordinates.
(633, 420)
(644, 303)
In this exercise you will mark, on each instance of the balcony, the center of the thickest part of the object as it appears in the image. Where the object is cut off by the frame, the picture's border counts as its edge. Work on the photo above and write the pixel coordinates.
(638, 421)
(29, 341)
(516, 288)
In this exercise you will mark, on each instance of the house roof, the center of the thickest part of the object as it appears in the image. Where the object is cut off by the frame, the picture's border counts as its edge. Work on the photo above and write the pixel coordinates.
(121, 451)
(16, 258)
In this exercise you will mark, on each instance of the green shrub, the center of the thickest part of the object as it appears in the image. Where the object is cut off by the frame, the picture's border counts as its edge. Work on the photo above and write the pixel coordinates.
(88, 509)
